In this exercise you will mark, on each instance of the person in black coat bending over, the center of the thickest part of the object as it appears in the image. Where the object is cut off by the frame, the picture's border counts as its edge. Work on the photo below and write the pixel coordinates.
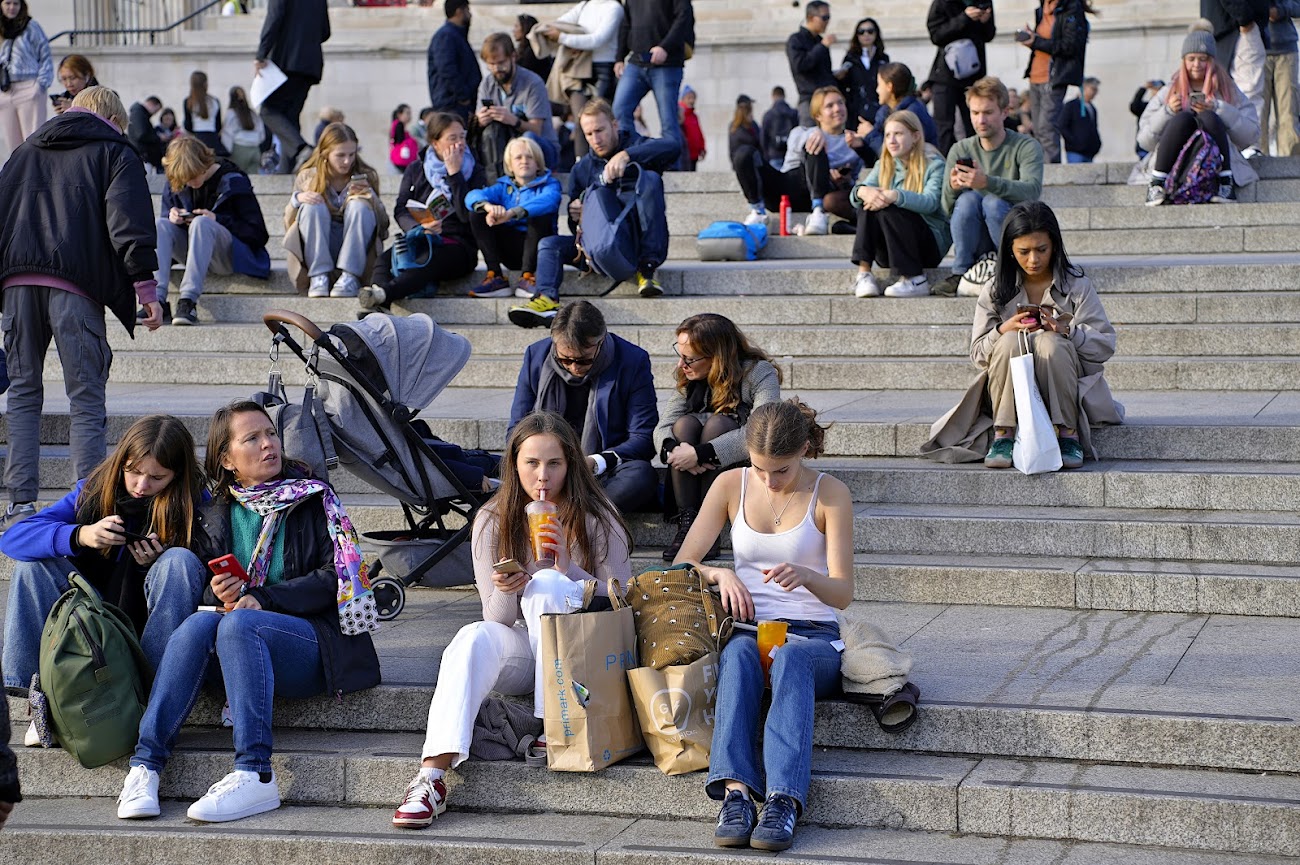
(292, 36)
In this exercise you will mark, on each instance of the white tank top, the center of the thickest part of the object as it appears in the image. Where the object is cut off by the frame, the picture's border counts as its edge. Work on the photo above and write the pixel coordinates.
(754, 552)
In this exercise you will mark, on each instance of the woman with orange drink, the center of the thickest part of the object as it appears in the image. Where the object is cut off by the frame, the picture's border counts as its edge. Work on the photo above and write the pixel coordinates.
(792, 540)
(528, 562)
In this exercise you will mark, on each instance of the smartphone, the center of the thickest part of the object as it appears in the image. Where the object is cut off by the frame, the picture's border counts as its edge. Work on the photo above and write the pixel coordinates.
(1034, 311)
(1024, 36)
(966, 162)
(56, 98)
(1198, 98)
(133, 537)
(509, 566)
(359, 178)
(487, 103)
(228, 564)
(186, 215)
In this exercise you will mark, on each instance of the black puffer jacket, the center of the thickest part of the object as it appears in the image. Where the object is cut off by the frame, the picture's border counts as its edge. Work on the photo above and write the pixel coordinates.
(947, 22)
(74, 204)
(416, 186)
(1067, 45)
(310, 589)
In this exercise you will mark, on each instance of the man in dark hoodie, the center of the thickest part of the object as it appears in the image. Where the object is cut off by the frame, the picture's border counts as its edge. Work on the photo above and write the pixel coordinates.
(76, 236)
(652, 44)
(612, 151)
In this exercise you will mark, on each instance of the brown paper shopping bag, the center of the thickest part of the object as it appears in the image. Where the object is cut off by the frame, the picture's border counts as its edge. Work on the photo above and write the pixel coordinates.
(675, 706)
(589, 719)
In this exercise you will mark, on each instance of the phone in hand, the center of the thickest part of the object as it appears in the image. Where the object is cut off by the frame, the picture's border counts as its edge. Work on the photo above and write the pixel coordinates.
(966, 162)
(486, 103)
(1197, 97)
(509, 566)
(1024, 37)
(56, 98)
(186, 215)
(132, 537)
(1033, 309)
(228, 564)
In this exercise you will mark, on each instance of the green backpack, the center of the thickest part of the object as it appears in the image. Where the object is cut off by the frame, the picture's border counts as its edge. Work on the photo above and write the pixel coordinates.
(94, 675)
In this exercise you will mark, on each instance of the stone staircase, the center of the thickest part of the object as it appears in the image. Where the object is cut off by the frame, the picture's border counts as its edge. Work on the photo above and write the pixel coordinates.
(1106, 656)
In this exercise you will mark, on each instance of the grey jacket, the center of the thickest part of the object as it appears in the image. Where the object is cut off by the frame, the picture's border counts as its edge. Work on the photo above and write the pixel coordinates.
(760, 385)
(1238, 115)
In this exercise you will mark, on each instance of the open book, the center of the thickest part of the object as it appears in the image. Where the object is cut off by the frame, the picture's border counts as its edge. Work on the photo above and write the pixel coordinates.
(436, 209)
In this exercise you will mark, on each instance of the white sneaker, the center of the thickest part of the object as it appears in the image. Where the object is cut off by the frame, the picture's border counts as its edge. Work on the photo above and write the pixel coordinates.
(756, 218)
(346, 285)
(917, 286)
(817, 223)
(236, 796)
(139, 796)
(320, 286)
(865, 285)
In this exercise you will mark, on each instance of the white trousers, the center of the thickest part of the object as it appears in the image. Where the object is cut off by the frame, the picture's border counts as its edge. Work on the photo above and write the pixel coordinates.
(489, 656)
(1248, 61)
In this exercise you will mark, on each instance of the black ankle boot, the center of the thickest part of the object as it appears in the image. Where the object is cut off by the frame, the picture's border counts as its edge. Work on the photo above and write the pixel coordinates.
(684, 520)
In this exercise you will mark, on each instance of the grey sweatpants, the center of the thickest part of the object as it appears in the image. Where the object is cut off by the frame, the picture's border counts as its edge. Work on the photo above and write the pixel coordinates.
(32, 316)
(328, 245)
(204, 248)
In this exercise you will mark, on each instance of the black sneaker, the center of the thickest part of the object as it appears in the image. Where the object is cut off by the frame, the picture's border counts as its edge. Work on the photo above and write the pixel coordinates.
(1227, 194)
(186, 313)
(947, 287)
(15, 514)
(1156, 195)
(736, 820)
(141, 314)
(775, 829)
(684, 520)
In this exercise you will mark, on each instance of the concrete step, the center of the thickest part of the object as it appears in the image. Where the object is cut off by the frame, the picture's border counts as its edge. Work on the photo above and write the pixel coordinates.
(68, 832)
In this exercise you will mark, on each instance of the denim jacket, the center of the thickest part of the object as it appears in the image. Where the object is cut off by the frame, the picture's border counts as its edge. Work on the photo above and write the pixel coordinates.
(28, 57)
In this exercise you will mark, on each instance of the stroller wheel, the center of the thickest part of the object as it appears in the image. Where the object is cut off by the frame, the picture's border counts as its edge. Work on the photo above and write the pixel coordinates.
(390, 597)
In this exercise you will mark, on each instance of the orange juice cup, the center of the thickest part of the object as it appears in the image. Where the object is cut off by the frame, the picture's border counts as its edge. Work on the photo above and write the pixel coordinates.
(770, 636)
(540, 513)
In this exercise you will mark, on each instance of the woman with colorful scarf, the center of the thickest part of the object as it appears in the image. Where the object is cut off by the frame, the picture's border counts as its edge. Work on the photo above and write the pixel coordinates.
(298, 627)
(443, 247)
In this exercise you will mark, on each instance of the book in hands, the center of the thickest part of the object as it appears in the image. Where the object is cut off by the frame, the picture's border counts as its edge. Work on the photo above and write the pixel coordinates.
(431, 212)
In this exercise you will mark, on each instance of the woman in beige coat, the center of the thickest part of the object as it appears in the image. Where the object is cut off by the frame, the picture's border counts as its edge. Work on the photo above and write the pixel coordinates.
(1036, 292)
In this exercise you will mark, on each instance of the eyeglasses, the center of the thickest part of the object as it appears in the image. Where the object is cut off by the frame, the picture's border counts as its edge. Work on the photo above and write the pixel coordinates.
(579, 362)
(867, 31)
(825, 17)
(687, 362)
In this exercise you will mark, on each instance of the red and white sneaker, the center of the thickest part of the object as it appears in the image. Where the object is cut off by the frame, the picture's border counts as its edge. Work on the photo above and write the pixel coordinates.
(425, 799)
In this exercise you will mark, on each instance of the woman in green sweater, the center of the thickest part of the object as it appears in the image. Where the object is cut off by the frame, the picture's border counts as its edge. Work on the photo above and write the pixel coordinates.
(902, 225)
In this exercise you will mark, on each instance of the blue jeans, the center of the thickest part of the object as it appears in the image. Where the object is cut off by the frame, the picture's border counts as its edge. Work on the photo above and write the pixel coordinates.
(801, 672)
(977, 219)
(636, 82)
(1076, 158)
(173, 586)
(260, 656)
(552, 254)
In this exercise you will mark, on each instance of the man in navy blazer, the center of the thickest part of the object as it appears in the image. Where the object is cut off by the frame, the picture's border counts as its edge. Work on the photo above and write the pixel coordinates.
(603, 386)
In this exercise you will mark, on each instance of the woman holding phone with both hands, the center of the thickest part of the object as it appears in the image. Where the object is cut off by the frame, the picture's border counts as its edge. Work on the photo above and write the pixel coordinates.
(297, 628)
(126, 529)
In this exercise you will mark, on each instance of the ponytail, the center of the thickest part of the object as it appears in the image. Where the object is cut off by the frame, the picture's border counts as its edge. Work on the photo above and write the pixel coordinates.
(781, 429)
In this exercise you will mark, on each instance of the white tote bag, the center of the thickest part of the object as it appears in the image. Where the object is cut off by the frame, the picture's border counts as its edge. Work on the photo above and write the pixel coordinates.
(1036, 449)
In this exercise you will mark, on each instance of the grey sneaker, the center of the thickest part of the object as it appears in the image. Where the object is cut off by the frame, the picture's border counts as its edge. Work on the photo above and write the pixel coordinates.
(15, 514)
(346, 285)
(1156, 195)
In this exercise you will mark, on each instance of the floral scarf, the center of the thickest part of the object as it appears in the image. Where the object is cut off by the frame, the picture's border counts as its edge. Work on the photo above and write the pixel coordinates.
(271, 501)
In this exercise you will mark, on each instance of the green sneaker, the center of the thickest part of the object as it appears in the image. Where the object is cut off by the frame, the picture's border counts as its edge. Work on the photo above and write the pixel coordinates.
(538, 312)
(999, 456)
(1071, 453)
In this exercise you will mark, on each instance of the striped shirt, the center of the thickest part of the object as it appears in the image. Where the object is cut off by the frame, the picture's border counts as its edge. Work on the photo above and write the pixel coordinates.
(29, 56)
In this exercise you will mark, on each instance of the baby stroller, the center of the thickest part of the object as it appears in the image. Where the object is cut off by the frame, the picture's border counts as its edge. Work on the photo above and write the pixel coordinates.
(373, 377)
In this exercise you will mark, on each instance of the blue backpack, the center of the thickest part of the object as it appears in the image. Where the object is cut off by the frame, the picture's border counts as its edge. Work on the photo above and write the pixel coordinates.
(731, 241)
(624, 225)
(1194, 179)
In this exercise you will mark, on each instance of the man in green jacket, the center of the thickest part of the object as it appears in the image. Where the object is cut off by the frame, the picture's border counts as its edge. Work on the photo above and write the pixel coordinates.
(987, 174)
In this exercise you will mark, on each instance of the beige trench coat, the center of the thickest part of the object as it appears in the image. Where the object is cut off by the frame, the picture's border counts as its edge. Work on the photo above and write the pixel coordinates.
(293, 238)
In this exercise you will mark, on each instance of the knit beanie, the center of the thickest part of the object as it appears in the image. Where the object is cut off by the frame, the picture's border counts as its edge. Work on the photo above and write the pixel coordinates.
(1200, 39)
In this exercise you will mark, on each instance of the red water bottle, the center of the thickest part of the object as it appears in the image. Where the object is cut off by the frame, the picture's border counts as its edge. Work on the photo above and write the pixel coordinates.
(785, 215)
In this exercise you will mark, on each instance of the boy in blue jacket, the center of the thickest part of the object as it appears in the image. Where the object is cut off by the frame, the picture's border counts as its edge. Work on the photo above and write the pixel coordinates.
(611, 152)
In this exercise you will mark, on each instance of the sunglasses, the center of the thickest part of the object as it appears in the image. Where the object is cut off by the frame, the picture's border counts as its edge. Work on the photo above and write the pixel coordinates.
(867, 31)
(687, 361)
(579, 362)
(825, 17)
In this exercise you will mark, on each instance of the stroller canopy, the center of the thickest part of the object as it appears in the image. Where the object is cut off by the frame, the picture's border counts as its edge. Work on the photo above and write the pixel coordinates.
(416, 356)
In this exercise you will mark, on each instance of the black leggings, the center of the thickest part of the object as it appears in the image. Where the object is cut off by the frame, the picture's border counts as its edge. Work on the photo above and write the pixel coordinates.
(450, 260)
(506, 244)
(689, 490)
(759, 181)
(895, 238)
(1180, 128)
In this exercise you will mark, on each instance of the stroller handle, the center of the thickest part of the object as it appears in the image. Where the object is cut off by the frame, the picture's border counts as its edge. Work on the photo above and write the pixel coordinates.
(276, 318)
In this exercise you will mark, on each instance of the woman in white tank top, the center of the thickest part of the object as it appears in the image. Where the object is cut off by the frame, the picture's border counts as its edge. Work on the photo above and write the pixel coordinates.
(792, 540)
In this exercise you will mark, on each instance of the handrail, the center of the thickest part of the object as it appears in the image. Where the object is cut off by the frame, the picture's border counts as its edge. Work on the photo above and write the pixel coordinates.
(137, 31)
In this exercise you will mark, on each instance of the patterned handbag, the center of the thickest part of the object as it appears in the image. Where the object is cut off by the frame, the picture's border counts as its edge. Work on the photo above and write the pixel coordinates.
(679, 619)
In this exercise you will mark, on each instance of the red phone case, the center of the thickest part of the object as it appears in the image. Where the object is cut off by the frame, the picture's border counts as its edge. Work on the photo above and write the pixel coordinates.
(228, 564)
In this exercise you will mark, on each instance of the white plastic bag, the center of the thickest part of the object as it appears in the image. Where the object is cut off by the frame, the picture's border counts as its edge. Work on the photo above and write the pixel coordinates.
(1036, 449)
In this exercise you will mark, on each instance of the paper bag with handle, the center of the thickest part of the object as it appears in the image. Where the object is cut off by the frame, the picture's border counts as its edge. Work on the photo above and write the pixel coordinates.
(589, 720)
(675, 706)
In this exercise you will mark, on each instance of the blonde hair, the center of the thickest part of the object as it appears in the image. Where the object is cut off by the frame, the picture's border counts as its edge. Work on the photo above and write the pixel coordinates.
(103, 102)
(989, 87)
(186, 159)
(819, 99)
(528, 144)
(331, 137)
(913, 164)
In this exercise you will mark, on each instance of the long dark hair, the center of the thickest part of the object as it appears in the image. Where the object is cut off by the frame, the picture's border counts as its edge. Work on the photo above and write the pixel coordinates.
(854, 53)
(171, 512)
(717, 336)
(744, 116)
(197, 101)
(582, 496)
(1028, 217)
(12, 29)
(244, 111)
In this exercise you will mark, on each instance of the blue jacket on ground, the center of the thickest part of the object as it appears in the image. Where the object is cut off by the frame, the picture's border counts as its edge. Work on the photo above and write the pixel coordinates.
(237, 210)
(626, 409)
(876, 137)
(539, 197)
(453, 72)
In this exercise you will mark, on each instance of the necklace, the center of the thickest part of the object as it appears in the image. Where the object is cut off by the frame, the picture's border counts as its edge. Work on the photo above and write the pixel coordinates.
(776, 517)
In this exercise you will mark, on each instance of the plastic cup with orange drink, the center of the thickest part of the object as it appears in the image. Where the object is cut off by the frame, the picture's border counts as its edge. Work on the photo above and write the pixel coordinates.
(771, 635)
(540, 513)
